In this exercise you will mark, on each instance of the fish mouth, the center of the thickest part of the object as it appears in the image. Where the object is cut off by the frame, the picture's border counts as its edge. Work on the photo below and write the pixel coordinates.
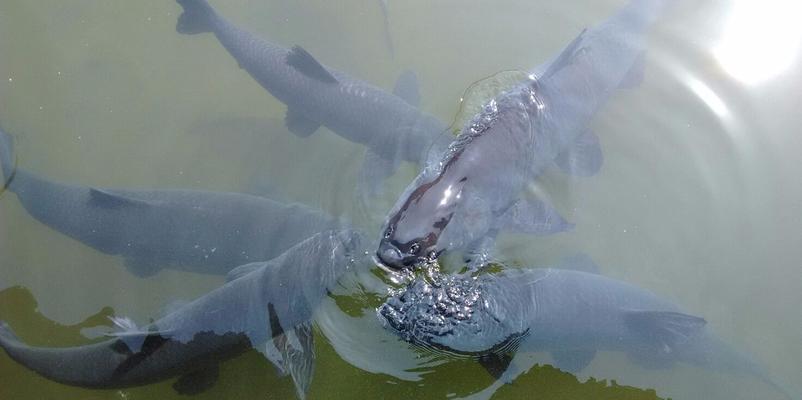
(392, 258)
(432, 307)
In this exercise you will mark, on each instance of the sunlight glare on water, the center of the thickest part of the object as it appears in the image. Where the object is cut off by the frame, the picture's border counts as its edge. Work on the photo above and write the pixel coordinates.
(760, 39)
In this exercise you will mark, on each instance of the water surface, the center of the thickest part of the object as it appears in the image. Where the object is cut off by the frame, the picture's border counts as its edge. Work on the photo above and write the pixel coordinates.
(699, 199)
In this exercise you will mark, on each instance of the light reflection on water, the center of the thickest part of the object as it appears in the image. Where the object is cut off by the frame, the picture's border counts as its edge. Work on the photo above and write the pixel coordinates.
(698, 199)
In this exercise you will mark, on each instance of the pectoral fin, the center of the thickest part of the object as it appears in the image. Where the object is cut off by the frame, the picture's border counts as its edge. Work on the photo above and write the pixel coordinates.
(130, 334)
(572, 360)
(496, 364)
(304, 63)
(667, 329)
(198, 380)
(107, 199)
(292, 351)
(584, 158)
(298, 124)
(533, 216)
(406, 87)
(299, 357)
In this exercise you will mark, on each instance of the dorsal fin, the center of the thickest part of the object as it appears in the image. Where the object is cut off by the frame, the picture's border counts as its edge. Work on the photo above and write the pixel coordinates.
(106, 199)
(564, 58)
(304, 63)
(406, 87)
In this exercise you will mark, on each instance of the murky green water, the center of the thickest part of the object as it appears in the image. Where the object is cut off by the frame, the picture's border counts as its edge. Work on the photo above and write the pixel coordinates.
(699, 199)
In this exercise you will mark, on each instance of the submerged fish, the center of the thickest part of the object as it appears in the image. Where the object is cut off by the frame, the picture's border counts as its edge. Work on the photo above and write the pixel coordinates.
(206, 232)
(390, 125)
(267, 306)
(570, 314)
(472, 190)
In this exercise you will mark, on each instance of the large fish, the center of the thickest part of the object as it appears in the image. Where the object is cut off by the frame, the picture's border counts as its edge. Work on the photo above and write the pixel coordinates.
(267, 306)
(390, 125)
(473, 190)
(206, 232)
(571, 314)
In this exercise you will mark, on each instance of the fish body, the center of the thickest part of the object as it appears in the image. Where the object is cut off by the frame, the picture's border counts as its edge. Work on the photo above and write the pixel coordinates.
(268, 308)
(316, 95)
(198, 231)
(473, 189)
(570, 314)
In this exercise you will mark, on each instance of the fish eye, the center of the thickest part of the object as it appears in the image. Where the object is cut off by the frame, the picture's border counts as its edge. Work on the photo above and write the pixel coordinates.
(388, 232)
(414, 248)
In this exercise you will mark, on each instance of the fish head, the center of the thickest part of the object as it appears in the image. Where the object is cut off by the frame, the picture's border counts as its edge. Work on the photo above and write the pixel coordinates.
(450, 314)
(412, 233)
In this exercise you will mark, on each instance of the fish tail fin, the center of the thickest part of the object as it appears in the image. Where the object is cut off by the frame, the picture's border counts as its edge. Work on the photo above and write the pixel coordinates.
(198, 17)
(7, 160)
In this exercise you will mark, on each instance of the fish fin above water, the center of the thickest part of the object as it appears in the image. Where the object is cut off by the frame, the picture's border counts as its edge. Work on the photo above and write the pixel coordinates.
(141, 267)
(579, 262)
(197, 380)
(107, 199)
(572, 361)
(634, 76)
(496, 364)
(298, 124)
(198, 17)
(243, 270)
(304, 63)
(670, 329)
(584, 158)
(565, 57)
(407, 88)
(533, 216)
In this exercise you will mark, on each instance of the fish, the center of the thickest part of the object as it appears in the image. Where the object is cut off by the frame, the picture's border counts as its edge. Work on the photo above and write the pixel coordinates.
(390, 125)
(189, 230)
(571, 314)
(267, 306)
(474, 188)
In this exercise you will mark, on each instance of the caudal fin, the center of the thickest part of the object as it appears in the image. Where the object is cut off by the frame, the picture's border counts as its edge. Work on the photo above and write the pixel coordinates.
(198, 17)
(7, 159)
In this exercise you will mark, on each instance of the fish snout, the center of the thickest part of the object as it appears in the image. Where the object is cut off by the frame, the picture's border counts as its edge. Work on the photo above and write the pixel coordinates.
(390, 256)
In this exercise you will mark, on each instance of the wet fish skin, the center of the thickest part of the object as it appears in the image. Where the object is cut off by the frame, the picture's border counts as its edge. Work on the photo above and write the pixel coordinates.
(571, 314)
(192, 230)
(317, 95)
(257, 310)
(462, 196)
